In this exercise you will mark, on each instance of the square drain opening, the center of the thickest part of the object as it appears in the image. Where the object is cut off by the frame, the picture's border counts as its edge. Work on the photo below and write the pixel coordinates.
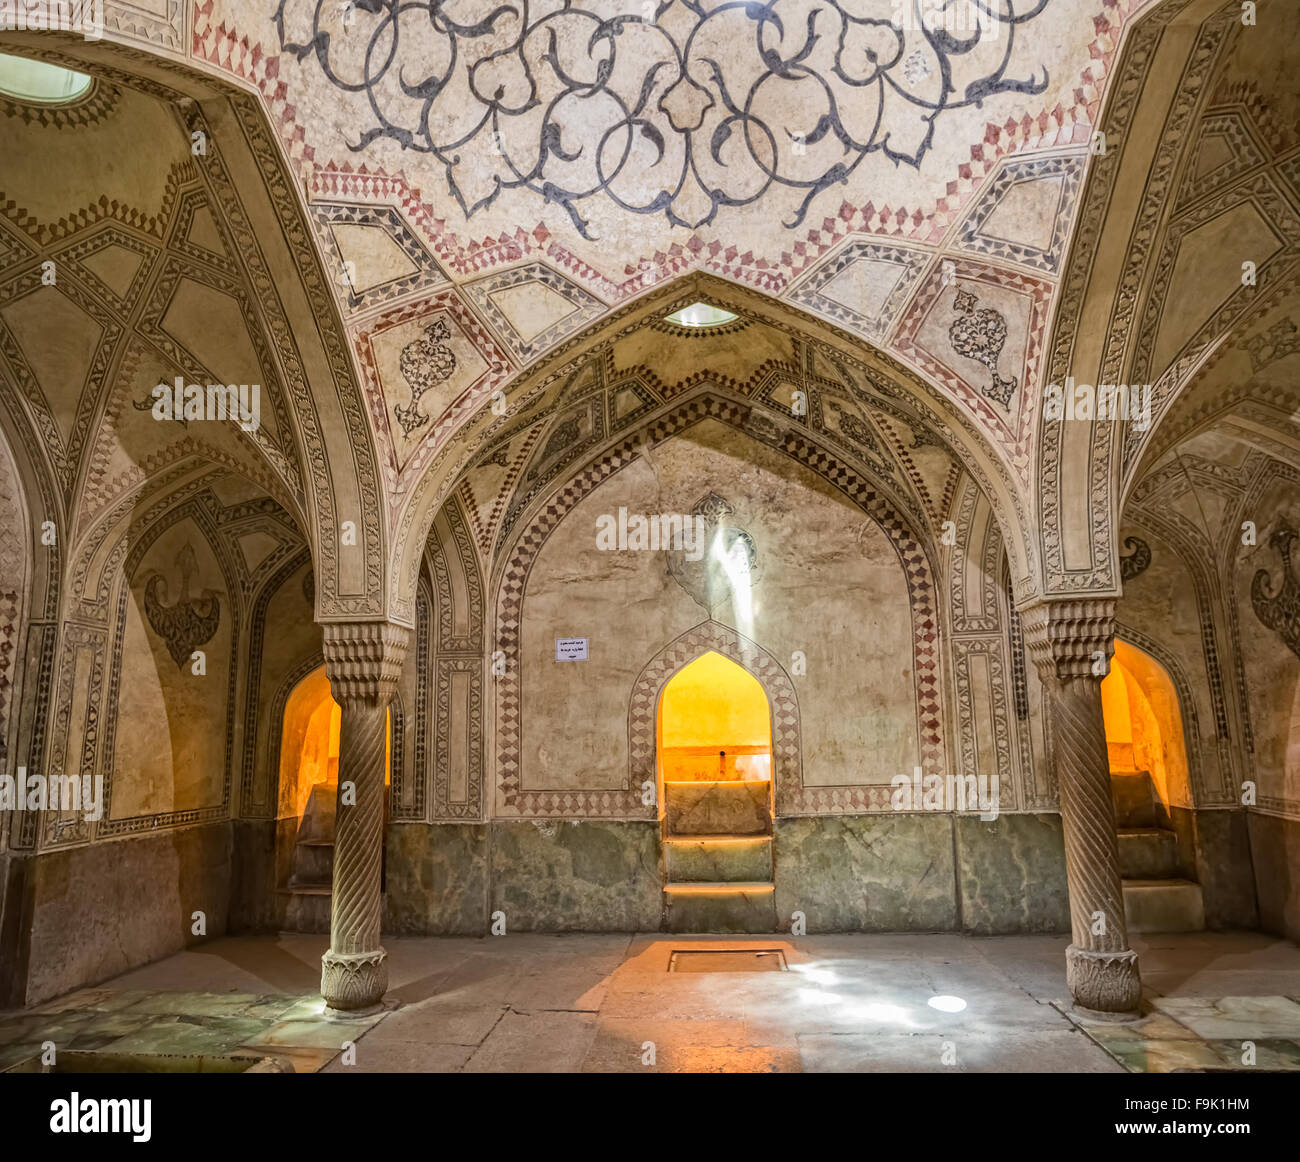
(727, 960)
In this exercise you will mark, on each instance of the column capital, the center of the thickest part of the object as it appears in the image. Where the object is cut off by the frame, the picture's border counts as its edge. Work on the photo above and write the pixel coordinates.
(1063, 636)
(363, 659)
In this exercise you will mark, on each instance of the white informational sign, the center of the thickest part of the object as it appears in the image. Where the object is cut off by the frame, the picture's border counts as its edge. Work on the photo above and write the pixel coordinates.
(570, 649)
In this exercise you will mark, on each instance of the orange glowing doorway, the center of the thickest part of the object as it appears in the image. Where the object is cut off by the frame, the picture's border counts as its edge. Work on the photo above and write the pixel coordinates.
(1149, 784)
(715, 724)
(309, 787)
(714, 758)
(1144, 727)
(309, 743)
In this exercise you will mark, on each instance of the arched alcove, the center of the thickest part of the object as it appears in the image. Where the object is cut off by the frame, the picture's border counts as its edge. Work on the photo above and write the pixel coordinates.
(309, 747)
(308, 796)
(309, 741)
(1144, 725)
(714, 722)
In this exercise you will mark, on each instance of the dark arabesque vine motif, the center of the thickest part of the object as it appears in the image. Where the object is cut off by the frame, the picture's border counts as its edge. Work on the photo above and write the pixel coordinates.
(672, 107)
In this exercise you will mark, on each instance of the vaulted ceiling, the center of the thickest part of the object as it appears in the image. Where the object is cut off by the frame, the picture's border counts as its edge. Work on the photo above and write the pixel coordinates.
(1183, 270)
(490, 191)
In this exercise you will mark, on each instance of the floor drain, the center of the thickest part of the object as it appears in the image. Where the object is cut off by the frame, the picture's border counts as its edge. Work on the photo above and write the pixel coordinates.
(727, 960)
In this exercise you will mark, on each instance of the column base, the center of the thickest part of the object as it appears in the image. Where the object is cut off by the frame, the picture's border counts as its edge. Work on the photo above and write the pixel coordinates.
(354, 980)
(1104, 982)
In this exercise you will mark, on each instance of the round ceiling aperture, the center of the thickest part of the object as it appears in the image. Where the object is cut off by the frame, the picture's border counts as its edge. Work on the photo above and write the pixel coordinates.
(40, 83)
(701, 315)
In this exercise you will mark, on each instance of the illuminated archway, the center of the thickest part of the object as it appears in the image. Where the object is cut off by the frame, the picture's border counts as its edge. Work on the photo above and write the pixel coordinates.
(309, 742)
(1144, 724)
(714, 723)
(715, 762)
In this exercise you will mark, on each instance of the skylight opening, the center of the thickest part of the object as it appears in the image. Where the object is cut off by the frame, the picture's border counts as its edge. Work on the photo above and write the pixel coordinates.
(40, 83)
(701, 315)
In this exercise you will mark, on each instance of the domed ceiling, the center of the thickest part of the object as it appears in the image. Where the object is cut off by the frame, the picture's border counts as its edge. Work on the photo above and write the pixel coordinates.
(489, 185)
(511, 172)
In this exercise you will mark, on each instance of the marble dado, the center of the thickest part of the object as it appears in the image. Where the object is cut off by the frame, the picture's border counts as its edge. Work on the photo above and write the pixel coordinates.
(863, 873)
(741, 807)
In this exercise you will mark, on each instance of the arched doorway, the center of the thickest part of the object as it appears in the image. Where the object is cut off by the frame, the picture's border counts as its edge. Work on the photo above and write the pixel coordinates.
(1149, 783)
(714, 770)
(309, 746)
(308, 796)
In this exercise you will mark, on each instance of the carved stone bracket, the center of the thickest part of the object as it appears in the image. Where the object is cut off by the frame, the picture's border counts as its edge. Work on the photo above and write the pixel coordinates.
(1063, 638)
(363, 659)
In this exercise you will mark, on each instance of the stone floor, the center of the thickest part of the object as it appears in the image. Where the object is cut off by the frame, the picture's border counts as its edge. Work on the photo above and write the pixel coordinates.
(599, 1003)
(202, 1027)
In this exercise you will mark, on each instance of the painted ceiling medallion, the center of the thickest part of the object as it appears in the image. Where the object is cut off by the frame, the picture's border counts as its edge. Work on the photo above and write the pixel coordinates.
(1136, 560)
(981, 335)
(674, 108)
(425, 363)
(190, 622)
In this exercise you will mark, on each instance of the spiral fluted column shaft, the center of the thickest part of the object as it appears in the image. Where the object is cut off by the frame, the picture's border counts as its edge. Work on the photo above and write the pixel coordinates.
(1071, 643)
(364, 662)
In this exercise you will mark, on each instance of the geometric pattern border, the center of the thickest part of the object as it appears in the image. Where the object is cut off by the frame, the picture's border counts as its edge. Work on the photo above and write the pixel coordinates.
(1068, 169)
(808, 292)
(626, 802)
(586, 307)
(427, 273)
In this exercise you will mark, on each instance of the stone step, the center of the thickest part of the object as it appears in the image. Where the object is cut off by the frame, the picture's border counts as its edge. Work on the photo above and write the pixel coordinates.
(725, 859)
(307, 909)
(313, 863)
(735, 807)
(1170, 905)
(1148, 853)
(318, 818)
(735, 907)
(1135, 801)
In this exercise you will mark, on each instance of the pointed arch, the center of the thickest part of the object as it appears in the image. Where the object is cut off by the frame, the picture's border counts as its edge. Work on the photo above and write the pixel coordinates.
(1169, 673)
(714, 637)
(510, 580)
(327, 460)
(929, 405)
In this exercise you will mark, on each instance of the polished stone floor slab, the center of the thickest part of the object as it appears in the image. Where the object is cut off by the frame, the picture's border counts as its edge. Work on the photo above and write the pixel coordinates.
(608, 1003)
(1199, 1033)
(182, 1023)
(1234, 1017)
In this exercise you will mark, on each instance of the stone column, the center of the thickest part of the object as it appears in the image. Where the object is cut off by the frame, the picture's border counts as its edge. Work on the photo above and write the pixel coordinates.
(1066, 640)
(363, 661)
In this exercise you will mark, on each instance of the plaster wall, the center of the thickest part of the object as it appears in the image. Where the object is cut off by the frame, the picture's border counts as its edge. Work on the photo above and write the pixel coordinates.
(90, 919)
(1271, 681)
(826, 584)
(176, 758)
